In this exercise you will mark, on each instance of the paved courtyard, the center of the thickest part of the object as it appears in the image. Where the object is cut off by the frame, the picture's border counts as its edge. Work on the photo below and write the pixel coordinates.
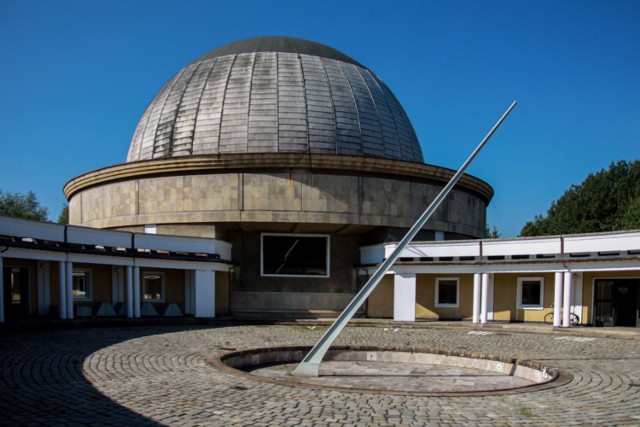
(162, 375)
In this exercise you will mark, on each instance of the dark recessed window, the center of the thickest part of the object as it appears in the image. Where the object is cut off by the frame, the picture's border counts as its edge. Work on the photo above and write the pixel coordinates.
(81, 284)
(153, 286)
(447, 292)
(295, 255)
(530, 292)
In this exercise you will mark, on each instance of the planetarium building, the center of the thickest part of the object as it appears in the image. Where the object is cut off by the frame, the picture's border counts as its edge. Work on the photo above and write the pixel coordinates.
(270, 178)
(292, 152)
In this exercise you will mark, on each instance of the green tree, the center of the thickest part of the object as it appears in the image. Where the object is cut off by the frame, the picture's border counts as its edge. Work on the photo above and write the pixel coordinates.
(22, 206)
(64, 215)
(492, 233)
(608, 200)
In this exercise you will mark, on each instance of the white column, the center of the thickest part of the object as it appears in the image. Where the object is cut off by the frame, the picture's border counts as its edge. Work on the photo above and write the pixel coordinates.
(136, 292)
(1, 291)
(129, 291)
(477, 280)
(484, 299)
(566, 307)
(62, 289)
(205, 293)
(69, 268)
(557, 299)
(404, 297)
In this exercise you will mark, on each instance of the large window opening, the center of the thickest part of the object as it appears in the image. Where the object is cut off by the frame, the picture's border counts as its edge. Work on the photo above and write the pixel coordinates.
(295, 255)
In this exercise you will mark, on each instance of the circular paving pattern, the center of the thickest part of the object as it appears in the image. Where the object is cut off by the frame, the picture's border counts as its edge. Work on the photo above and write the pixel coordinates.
(163, 376)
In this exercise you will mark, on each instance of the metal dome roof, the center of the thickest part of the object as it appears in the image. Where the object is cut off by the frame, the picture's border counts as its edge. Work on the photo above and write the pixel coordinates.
(274, 94)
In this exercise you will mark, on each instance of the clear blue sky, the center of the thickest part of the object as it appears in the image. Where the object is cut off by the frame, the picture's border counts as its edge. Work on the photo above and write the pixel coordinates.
(77, 75)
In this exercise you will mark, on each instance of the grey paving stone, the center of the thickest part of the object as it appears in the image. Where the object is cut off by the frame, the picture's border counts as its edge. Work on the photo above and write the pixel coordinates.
(161, 376)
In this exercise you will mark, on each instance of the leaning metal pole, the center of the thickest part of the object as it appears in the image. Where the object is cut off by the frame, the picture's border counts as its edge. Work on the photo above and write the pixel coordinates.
(311, 362)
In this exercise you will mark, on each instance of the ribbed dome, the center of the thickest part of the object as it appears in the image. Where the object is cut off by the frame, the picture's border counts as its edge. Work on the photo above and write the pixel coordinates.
(274, 94)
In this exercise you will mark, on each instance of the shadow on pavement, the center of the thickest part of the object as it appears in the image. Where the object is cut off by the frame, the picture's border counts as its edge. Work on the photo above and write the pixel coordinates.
(42, 381)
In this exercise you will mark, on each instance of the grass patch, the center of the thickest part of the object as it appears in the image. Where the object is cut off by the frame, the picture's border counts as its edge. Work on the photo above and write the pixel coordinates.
(525, 412)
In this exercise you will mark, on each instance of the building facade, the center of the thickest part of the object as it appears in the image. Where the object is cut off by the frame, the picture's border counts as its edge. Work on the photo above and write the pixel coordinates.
(293, 153)
(590, 279)
(69, 272)
(268, 178)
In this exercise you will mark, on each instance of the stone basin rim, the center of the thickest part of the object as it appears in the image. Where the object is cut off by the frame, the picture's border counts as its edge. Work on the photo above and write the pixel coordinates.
(234, 361)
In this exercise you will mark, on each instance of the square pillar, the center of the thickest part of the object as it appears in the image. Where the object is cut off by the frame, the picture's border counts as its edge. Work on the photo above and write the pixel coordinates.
(477, 283)
(404, 297)
(205, 293)
(557, 299)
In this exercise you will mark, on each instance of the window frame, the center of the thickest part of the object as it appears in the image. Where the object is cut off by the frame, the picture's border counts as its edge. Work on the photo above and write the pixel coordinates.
(327, 238)
(437, 292)
(151, 274)
(519, 303)
(88, 279)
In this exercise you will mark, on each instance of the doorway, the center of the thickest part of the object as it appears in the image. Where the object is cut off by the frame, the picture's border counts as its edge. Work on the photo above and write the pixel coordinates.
(16, 292)
(617, 302)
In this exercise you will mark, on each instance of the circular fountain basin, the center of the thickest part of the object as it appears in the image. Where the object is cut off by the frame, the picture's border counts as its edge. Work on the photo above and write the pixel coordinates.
(396, 371)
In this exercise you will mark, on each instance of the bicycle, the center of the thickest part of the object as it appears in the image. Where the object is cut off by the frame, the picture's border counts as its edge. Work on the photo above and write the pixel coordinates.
(573, 318)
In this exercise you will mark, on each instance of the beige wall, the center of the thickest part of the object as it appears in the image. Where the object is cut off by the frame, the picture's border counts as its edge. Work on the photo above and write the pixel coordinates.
(380, 302)
(505, 298)
(101, 289)
(426, 302)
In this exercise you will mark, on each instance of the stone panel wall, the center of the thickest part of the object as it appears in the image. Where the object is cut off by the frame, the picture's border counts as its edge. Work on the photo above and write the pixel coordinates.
(274, 197)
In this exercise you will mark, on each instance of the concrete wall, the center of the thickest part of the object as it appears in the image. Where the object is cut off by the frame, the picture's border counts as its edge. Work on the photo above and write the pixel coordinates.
(267, 197)
(344, 255)
(252, 292)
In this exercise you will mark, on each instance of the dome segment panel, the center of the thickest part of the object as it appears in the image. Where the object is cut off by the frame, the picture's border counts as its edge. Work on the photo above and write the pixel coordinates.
(274, 102)
(292, 105)
(206, 134)
(263, 117)
(320, 108)
(235, 108)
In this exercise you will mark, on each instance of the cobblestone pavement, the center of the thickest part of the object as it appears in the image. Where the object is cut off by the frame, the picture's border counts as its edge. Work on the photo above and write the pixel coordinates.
(141, 375)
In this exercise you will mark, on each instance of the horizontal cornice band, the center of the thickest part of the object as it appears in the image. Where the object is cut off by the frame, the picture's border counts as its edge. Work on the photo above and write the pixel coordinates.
(275, 162)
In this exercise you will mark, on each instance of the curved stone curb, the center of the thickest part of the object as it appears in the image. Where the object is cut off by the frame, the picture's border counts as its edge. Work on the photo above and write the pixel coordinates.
(234, 362)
